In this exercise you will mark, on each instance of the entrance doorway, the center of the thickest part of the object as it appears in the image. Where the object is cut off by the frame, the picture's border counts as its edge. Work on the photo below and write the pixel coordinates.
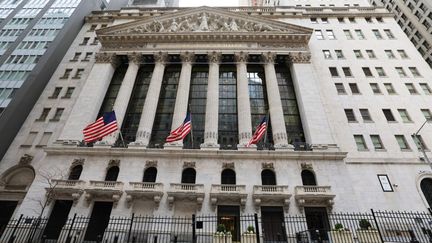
(230, 217)
(57, 219)
(273, 226)
(317, 223)
(99, 220)
(7, 209)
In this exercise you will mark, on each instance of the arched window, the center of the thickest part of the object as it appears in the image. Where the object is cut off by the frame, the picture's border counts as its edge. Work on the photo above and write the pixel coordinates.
(150, 174)
(426, 187)
(188, 176)
(228, 177)
(75, 172)
(112, 173)
(19, 178)
(268, 177)
(308, 178)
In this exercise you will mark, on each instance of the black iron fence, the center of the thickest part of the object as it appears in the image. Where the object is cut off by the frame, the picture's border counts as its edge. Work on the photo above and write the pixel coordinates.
(371, 227)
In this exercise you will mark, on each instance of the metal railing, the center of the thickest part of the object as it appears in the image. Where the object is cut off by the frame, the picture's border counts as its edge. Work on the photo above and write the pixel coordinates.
(368, 227)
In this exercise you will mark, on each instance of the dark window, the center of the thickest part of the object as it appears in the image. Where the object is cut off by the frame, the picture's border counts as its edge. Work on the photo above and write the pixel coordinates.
(228, 177)
(188, 176)
(388, 115)
(259, 103)
(75, 172)
(291, 112)
(113, 89)
(150, 174)
(228, 127)
(55, 93)
(308, 178)
(165, 109)
(136, 103)
(268, 177)
(197, 105)
(112, 173)
(426, 187)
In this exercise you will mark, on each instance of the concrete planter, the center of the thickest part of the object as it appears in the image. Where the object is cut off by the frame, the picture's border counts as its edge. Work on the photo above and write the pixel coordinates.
(222, 238)
(341, 236)
(248, 238)
(368, 236)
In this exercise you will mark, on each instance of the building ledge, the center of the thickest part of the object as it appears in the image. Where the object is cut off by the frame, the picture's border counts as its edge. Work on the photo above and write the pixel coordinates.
(144, 190)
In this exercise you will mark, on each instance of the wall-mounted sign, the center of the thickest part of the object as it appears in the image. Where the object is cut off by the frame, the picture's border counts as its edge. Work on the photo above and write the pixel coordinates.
(385, 183)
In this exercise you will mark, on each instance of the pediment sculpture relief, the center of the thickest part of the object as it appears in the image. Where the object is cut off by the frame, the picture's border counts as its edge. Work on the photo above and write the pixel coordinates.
(202, 22)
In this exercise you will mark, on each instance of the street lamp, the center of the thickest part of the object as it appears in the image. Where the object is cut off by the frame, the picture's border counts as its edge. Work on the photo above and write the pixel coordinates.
(416, 136)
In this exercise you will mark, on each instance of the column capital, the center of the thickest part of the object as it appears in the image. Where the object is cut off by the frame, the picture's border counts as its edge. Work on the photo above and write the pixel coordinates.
(161, 57)
(214, 57)
(187, 56)
(135, 58)
(268, 57)
(300, 57)
(103, 57)
(241, 56)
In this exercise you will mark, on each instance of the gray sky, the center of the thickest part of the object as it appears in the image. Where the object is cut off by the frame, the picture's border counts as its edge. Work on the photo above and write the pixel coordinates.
(211, 3)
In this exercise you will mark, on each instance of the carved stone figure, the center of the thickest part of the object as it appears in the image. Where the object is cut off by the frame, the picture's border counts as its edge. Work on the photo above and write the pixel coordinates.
(174, 26)
(204, 23)
(233, 26)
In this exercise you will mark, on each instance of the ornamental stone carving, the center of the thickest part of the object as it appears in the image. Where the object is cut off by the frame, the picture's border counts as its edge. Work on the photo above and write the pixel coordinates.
(113, 162)
(268, 57)
(76, 162)
(214, 57)
(241, 56)
(187, 56)
(306, 166)
(25, 159)
(161, 57)
(188, 164)
(267, 165)
(228, 165)
(135, 58)
(151, 163)
(103, 57)
(300, 57)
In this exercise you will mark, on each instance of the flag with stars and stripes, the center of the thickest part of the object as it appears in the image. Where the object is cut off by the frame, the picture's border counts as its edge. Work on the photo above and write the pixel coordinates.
(102, 127)
(259, 132)
(182, 131)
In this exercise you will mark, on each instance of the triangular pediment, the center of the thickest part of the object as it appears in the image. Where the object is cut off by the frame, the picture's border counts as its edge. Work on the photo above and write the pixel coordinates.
(205, 21)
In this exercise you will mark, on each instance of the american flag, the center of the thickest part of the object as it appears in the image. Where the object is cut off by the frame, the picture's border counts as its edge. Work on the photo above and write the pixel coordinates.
(259, 132)
(181, 132)
(102, 127)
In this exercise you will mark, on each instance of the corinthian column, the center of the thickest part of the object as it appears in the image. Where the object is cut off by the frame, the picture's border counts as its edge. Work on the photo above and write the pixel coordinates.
(182, 98)
(212, 103)
(243, 101)
(150, 105)
(123, 96)
(90, 99)
(275, 104)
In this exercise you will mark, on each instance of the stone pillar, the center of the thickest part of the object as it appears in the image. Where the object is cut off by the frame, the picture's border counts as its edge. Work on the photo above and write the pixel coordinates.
(212, 103)
(90, 99)
(182, 98)
(314, 119)
(150, 105)
(123, 96)
(243, 101)
(275, 104)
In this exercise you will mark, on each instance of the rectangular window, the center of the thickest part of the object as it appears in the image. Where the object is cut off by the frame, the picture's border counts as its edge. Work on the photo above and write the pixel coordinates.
(85, 41)
(411, 88)
(347, 71)
(57, 114)
(404, 115)
(390, 54)
(352, 20)
(401, 72)
(359, 34)
(95, 41)
(339, 54)
(44, 140)
(87, 57)
(367, 72)
(365, 115)
(348, 34)
(414, 71)
(68, 93)
(314, 20)
(44, 114)
(380, 71)
(402, 54)
(340, 88)
(371, 54)
(93, 27)
(377, 34)
(388, 115)
(78, 73)
(330, 35)
(403, 144)
(375, 88)
(354, 88)
(419, 142)
(55, 93)
(76, 57)
(389, 88)
(427, 114)
(426, 89)
(358, 54)
(360, 142)
(30, 139)
(376, 141)
(333, 72)
(350, 115)
(66, 73)
(327, 54)
(389, 34)
(319, 35)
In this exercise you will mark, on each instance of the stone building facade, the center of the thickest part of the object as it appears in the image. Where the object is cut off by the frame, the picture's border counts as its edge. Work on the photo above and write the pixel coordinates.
(344, 88)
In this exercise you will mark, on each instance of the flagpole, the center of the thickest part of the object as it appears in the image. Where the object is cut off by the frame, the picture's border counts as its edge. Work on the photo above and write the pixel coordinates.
(190, 113)
(119, 129)
(267, 118)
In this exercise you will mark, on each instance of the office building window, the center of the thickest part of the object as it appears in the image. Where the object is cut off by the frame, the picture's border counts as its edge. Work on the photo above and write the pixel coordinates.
(377, 34)
(427, 114)
(375, 88)
(66, 73)
(367, 72)
(388, 115)
(390, 54)
(339, 54)
(426, 89)
(389, 34)
(350, 115)
(402, 54)
(419, 142)
(401, 72)
(319, 35)
(55, 93)
(371, 54)
(380, 71)
(330, 35)
(365, 115)
(358, 54)
(57, 115)
(403, 144)
(354, 88)
(333, 71)
(348, 34)
(359, 34)
(376, 141)
(340, 88)
(411, 88)
(360, 142)
(404, 115)
(44, 114)
(69, 92)
(327, 54)
(414, 71)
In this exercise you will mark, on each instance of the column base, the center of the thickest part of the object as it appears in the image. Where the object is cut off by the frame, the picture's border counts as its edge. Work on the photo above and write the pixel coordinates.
(137, 145)
(209, 146)
(174, 146)
(285, 146)
(103, 144)
(242, 147)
